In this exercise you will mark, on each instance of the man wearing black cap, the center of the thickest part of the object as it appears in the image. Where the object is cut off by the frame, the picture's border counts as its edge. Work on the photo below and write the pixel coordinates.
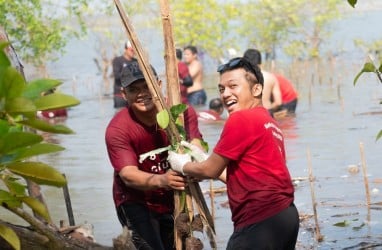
(143, 190)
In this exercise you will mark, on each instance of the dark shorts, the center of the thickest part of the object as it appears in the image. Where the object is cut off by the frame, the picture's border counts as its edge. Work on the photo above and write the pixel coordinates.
(278, 232)
(150, 231)
(290, 106)
(198, 97)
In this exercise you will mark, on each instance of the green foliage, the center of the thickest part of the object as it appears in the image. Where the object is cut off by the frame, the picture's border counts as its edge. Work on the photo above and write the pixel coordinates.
(40, 29)
(344, 223)
(370, 67)
(10, 236)
(296, 26)
(19, 103)
(352, 2)
(163, 118)
(207, 30)
(367, 67)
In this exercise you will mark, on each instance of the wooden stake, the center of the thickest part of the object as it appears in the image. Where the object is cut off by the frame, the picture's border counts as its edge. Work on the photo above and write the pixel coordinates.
(212, 198)
(364, 172)
(319, 237)
(68, 203)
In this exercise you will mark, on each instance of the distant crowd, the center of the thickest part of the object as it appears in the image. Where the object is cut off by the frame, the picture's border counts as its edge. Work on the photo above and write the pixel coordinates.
(279, 95)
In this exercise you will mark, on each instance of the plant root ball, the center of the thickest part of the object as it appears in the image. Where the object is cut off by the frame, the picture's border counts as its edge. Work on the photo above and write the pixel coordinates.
(193, 243)
(197, 223)
(182, 224)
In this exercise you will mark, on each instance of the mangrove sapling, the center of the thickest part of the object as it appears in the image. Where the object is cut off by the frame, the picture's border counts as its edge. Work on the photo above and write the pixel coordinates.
(186, 222)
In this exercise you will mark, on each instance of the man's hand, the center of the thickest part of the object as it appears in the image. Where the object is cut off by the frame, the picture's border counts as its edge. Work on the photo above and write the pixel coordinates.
(173, 180)
(197, 153)
(177, 161)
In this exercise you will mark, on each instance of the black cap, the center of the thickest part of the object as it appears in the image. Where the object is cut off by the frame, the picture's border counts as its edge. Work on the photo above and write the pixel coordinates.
(131, 73)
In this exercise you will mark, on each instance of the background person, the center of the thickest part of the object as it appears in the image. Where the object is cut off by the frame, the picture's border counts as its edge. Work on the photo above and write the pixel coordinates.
(251, 150)
(289, 94)
(119, 63)
(196, 93)
(184, 76)
(214, 113)
(271, 92)
(143, 191)
(52, 113)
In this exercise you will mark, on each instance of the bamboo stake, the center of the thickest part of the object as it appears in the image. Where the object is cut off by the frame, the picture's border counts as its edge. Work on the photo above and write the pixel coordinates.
(212, 198)
(172, 80)
(319, 237)
(174, 98)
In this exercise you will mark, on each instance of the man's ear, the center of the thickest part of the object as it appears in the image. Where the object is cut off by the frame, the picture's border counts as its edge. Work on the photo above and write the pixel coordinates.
(257, 90)
(160, 83)
(123, 93)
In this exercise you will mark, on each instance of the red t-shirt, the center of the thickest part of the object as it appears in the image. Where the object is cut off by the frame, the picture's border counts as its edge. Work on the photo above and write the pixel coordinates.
(126, 139)
(54, 113)
(288, 92)
(183, 72)
(258, 181)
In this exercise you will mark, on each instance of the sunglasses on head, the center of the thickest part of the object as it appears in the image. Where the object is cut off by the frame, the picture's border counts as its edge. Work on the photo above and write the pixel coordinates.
(238, 62)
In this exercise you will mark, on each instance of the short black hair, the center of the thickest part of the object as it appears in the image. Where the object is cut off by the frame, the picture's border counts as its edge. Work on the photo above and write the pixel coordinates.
(216, 104)
(179, 54)
(192, 48)
(253, 56)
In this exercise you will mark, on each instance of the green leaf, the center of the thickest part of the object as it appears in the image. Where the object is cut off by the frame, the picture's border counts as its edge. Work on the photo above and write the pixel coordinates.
(11, 83)
(182, 201)
(37, 207)
(163, 119)
(352, 3)
(37, 149)
(15, 187)
(34, 89)
(368, 67)
(357, 228)
(38, 172)
(20, 105)
(4, 128)
(46, 127)
(14, 140)
(379, 135)
(182, 131)
(342, 224)
(55, 101)
(10, 236)
(178, 109)
(4, 60)
(9, 199)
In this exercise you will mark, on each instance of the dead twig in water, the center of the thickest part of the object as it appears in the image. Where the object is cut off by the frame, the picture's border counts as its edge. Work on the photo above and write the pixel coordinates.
(365, 179)
(319, 237)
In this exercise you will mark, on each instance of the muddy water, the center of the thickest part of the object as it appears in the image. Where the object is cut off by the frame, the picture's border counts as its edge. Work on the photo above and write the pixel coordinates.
(335, 128)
